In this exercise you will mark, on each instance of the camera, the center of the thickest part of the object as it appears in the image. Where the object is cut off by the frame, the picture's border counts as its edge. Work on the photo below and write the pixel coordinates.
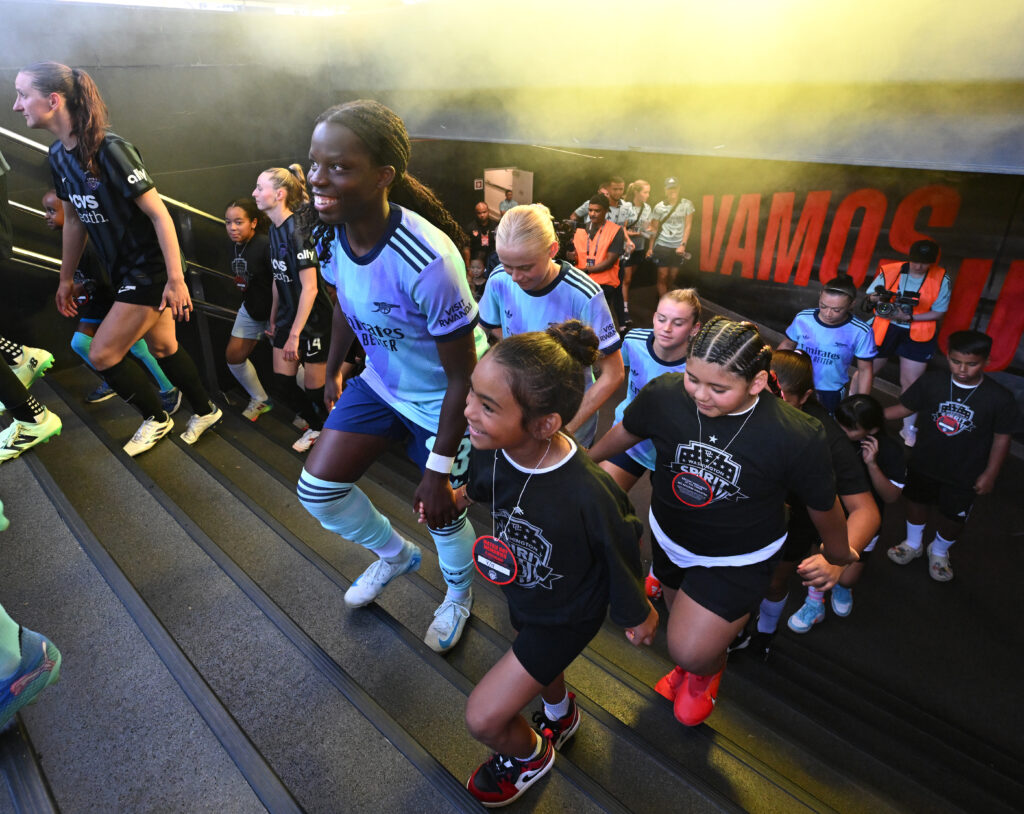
(564, 230)
(891, 304)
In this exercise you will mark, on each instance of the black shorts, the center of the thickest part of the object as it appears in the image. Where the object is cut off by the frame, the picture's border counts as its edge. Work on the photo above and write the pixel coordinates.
(312, 349)
(897, 342)
(730, 592)
(952, 500)
(140, 286)
(664, 256)
(546, 650)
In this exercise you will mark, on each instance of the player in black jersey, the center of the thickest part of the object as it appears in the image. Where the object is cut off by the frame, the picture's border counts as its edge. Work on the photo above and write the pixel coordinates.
(564, 548)
(727, 454)
(108, 195)
(94, 296)
(301, 313)
(250, 266)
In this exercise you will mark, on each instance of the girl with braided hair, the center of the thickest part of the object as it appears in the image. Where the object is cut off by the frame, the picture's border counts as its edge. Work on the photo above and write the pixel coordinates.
(108, 195)
(390, 249)
(726, 455)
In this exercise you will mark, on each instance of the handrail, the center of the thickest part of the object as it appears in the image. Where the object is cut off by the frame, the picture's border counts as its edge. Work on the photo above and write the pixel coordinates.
(42, 148)
(26, 253)
(39, 213)
(208, 270)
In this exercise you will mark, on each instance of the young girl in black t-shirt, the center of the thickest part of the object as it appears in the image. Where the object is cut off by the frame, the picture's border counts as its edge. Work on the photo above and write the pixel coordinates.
(108, 195)
(563, 546)
(727, 454)
(795, 375)
(250, 266)
(300, 316)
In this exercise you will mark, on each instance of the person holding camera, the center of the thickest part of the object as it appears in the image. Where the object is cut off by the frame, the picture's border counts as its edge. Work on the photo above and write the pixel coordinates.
(908, 300)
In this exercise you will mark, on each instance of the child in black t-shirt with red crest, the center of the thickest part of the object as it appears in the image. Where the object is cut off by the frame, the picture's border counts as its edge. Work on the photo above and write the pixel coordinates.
(964, 421)
(727, 454)
(563, 546)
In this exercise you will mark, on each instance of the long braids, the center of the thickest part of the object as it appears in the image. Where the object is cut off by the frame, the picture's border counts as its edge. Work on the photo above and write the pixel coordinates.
(737, 347)
(88, 111)
(386, 139)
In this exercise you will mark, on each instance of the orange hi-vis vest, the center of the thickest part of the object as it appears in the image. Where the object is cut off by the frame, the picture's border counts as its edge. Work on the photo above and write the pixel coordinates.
(919, 331)
(596, 250)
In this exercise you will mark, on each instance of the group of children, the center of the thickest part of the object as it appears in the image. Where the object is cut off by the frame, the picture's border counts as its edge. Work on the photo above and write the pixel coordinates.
(726, 426)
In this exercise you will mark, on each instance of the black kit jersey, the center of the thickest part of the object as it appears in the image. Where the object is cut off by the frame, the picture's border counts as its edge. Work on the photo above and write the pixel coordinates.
(121, 233)
(847, 465)
(289, 254)
(250, 266)
(574, 537)
(719, 485)
(955, 425)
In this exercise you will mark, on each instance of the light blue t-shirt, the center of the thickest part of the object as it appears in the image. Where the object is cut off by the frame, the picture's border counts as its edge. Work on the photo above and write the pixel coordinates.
(643, 363)
(832, 348)
(571, 295)
(402, 298)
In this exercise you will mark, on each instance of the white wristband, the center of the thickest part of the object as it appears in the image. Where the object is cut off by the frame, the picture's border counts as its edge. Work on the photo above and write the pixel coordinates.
(440, 463)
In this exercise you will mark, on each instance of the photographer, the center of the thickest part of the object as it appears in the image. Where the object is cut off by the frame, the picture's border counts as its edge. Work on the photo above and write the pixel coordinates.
(908, 300)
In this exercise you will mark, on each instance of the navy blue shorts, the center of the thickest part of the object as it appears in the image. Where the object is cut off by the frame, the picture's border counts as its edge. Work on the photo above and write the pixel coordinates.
(897, 342)
(624, 462)
(361, 410)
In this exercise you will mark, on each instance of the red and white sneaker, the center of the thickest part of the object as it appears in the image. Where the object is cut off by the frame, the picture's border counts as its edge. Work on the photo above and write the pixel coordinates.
(558, 732)
(499, 780)
(695, 699)
(652, 586)
(669, 685)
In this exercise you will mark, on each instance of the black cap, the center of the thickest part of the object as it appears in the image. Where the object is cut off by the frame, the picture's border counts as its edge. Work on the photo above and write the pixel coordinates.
(671, 182)
(924, 251)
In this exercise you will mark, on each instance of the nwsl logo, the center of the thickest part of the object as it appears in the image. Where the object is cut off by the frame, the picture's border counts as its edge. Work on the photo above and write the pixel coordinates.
(953, 418)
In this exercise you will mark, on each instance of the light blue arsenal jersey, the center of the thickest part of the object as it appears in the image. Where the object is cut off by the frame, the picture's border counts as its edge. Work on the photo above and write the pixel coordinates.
(832, 348)
(638, 355)
(407, 294)
(571, 295)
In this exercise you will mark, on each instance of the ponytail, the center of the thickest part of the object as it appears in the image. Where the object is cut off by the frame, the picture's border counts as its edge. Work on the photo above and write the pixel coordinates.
(88, 111)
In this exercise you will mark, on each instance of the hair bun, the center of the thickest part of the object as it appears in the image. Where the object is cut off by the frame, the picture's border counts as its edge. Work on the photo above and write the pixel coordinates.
(578, 340)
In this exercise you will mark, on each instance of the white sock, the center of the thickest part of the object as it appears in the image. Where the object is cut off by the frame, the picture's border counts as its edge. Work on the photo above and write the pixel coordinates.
(908, 422)
(458, 594)
(249, 379)
(914, 535)
(771, 612)
(559, 710)
(538, 743)
(941, 546)
(393, 549)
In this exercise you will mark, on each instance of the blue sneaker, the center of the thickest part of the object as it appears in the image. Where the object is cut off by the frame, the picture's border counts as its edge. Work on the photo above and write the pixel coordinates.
(807, 617)
(170, 400)
(102, 392)
(374, 579)
(842, 600)
(39, 668)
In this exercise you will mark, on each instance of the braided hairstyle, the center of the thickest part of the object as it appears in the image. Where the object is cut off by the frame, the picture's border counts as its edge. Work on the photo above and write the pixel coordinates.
(737, 347)
(545, 369)
(88, 111)
(384, 135)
